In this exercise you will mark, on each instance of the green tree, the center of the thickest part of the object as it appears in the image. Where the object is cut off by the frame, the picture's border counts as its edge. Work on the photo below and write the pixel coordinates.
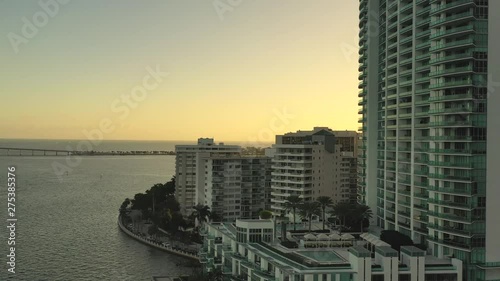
(309, 209)
(170, 186)
(342, 210)
(265, 214)
(395, 239)
(215, 217)
(324, 202)
(176, 222)
(215, 275)
(201, 213)
(292, 203)
(141, 202)
(124, 206)
(153, 230)
(363, 213)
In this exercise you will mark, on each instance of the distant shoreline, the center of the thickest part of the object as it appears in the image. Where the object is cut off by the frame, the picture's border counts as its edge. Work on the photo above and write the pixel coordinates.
(49, 152)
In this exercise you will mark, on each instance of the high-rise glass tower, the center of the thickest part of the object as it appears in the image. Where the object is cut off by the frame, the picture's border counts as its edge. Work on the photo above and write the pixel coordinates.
(429, 146)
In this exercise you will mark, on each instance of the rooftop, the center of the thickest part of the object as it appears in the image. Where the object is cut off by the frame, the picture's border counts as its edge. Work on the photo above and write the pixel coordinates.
(303, 259)
(412, 251)
(315, 130)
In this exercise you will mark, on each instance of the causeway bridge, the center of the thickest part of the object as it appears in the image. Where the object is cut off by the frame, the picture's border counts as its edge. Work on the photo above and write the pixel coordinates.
(17, 151)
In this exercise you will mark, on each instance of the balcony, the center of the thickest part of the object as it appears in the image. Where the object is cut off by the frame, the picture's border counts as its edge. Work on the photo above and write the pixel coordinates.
(421, 171)
(406, 203)
(449, 242)
(449, 203)
(423, 22)
(423, 11)
(465, 191)
(465, 231)
(455, 4)
(461, 43)
(422, 34)
(449, 58)
(422, 45)
(421, 183)
(422, 207)
(454, 217)
(421, 195)
(453, 31)
(450, 138)
(452, 84)
(467, 123)
(451, 177)
(422, 230)
(451, 97)
(464, 164)
(450, 151)
(456, 109)
(455, 18)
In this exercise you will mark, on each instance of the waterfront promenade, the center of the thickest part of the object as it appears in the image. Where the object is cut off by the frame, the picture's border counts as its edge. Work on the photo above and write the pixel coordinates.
(139, 236)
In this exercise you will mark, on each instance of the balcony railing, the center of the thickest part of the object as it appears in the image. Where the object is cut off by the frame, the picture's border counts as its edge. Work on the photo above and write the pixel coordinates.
(444, 7)
(455, 17)
(452, 31)
(466, 205)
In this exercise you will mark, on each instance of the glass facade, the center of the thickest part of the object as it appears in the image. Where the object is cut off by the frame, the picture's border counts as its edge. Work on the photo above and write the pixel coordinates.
(428, 97)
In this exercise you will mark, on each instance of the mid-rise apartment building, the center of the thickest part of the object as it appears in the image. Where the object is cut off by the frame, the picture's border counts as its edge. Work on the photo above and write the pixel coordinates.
(190, 170)
(309, 164)
(348, 140)
(238, 187)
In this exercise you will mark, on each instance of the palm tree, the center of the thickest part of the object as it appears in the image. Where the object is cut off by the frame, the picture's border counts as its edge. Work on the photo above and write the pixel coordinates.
(291, 204)
(308, 209)
(215, 217)
(324, 201)
(265, 214)
(215, 275)
(201, 213)
(364, 213)
(341, 210)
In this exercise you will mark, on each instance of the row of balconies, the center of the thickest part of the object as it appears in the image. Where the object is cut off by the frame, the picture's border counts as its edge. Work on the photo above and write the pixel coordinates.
(453, 31)
(468, 15)
(455, 4)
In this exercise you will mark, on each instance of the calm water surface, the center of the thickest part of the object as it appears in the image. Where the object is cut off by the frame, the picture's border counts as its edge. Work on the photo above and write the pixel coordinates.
(67, 230)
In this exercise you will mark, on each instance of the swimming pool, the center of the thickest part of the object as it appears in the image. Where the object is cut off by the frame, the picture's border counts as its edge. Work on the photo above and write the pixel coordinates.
(321, 256)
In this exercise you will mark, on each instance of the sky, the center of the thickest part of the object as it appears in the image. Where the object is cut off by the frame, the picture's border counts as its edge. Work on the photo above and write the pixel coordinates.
(234, 70)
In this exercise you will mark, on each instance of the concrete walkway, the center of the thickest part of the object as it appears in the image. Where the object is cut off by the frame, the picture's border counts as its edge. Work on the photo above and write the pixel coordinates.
(140, 236)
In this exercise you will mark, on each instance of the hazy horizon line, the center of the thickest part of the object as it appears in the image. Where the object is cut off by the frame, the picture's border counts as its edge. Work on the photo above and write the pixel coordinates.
(145, 140)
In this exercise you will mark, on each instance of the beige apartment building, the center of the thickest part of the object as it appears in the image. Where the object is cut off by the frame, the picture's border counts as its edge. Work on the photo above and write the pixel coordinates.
(310, 164)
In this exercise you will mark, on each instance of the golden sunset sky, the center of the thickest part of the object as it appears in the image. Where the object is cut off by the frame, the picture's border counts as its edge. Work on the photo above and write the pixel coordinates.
(230, 72)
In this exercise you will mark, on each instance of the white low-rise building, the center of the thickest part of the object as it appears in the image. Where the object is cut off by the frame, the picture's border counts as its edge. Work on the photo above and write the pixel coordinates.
(249, 250)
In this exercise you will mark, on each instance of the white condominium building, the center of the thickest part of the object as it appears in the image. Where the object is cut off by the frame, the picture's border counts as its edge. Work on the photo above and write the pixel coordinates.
(307, 164)
(190, 170)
